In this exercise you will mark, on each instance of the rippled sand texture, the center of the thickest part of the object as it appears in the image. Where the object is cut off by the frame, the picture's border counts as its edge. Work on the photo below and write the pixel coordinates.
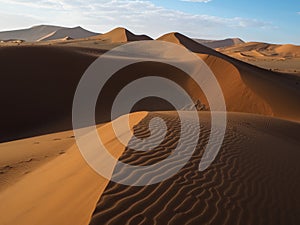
(252, 180)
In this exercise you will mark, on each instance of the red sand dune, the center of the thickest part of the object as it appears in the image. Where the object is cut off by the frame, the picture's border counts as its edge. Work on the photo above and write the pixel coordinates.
(220, 43)
(248, 88)
(121, 35)
(41, 100)
(72, 33)
(253, 180)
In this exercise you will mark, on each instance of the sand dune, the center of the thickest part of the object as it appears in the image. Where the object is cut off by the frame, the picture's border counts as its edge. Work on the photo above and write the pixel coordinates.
(288, 51)
(220, 43)
(71, 33)
(44, 83)
(281, 58)
(22, 157)
(46, 33)
(264, 50)
(45, 110)
(62, 191)
(30, 34)
(121, 35)
(252, 179)
(247, 88)
(44, 179)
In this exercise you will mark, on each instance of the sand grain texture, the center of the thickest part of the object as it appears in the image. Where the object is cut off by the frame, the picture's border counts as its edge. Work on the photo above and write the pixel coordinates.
(252, 181)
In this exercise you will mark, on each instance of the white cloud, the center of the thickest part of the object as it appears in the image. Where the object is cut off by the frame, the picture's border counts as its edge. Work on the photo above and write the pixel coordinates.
(140, 16)
(16, 21)
(205, 1)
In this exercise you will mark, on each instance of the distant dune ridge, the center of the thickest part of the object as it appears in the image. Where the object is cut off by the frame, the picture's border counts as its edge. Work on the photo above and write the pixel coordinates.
(281, 58)
(31, 34)
(121, 34)
(220, 43)
(68, 33)
(257, 49)
(45, 180)
(46, 33)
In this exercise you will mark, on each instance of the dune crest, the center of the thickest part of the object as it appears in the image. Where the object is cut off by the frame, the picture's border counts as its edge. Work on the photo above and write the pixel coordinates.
(73, 33)
(121, 34)
(30, 34)
(247, 88)
(62, 191)
(220, 43)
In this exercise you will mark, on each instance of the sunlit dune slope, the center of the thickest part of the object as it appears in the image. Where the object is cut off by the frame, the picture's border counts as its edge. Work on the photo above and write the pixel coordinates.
(121, 35)
(247, 88)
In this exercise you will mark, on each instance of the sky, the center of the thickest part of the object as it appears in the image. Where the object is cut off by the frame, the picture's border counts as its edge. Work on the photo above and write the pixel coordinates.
(275, 21)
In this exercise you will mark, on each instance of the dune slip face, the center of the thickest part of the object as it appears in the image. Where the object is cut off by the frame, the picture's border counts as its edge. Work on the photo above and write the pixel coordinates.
(252, 180)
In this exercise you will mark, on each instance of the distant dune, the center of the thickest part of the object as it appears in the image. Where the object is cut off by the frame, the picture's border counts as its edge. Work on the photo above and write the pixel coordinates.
(257, 49)
(220, 43)
(46, 33)
(31, 34)
(70, 33)
(281, 58)
(288, 51)
(121, 35)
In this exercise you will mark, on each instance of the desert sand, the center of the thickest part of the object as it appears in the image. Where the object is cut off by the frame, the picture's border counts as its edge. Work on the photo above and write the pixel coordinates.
(44, 178)
(63, 190)
(71, 33)
(252, 181)
(121, 34)
(45, 32)
(246, 88)
(279, 58)
(220, 43)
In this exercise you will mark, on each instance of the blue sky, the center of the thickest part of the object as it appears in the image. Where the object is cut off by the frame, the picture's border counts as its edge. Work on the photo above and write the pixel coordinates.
(256, 20)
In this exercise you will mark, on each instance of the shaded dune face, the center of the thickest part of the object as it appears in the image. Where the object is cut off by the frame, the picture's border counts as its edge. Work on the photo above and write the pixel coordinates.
(38, 85)
(238, 94)
(44, 87)
(141, 70)
(252, 180)
(37, 88)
